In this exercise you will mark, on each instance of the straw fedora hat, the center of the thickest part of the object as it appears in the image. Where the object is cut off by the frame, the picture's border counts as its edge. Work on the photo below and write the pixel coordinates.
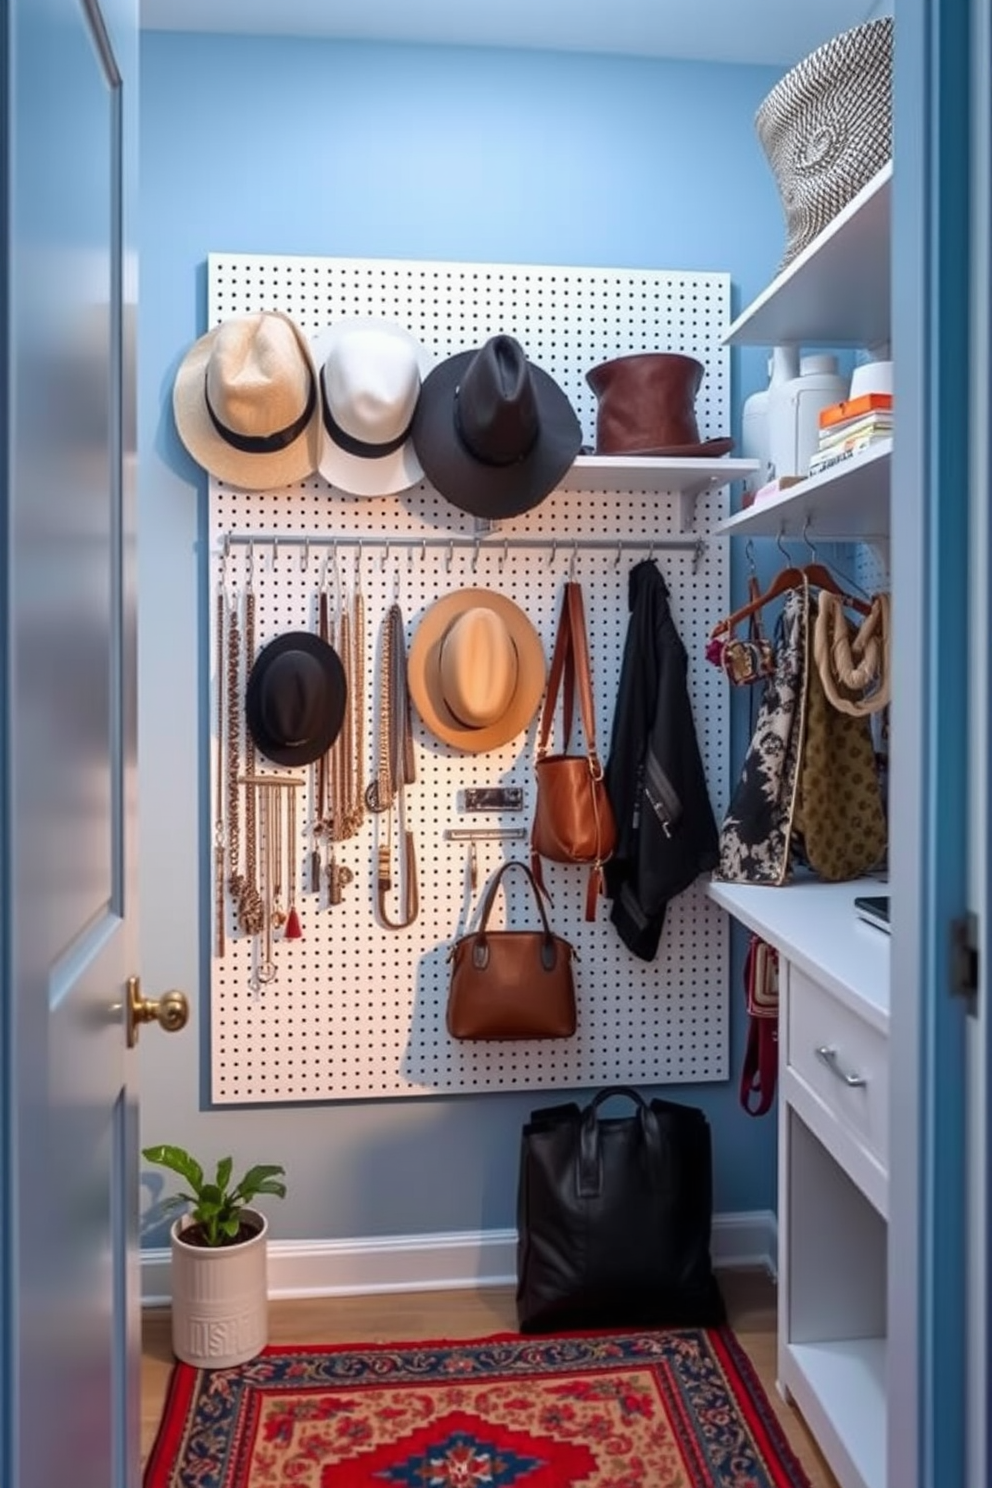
(295, 698)
(476, 669)
(647, 406)
(494, 433)
(245, 402)
(370, 376)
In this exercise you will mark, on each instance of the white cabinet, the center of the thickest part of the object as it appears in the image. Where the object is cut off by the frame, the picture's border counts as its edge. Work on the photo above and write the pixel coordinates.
(834, 970)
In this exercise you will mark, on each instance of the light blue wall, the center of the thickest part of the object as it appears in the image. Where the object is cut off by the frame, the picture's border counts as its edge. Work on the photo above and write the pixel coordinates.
(291, 146)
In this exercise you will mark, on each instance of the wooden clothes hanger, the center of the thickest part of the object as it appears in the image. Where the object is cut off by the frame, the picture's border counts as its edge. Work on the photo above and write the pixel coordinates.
(815, 574)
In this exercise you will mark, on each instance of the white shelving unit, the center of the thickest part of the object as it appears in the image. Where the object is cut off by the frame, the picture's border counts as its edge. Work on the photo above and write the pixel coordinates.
(833, 970)
(837, 291)
(686, 478)
(847, 503)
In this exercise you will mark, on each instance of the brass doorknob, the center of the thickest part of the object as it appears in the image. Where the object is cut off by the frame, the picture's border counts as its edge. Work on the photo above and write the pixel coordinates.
(170, 1011)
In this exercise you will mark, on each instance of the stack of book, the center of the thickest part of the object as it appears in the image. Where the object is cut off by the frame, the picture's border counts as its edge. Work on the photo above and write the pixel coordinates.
(852, 426)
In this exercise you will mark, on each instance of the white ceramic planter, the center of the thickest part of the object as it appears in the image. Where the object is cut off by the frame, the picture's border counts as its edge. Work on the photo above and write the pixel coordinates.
(220, 1301)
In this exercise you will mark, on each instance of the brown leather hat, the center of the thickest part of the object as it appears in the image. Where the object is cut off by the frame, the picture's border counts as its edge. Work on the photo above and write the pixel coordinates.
(647, 406)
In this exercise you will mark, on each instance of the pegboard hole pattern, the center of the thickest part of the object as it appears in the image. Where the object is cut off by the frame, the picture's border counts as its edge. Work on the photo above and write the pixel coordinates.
(357, 1010)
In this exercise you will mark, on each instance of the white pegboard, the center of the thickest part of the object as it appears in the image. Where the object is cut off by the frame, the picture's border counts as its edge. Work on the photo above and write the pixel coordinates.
(357, 1011)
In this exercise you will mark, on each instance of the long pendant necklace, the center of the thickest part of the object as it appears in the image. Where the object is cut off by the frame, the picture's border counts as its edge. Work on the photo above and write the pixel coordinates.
(394, 768)
(220, 898)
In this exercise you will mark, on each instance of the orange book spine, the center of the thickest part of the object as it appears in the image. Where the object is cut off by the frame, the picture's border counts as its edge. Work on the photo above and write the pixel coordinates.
(851, 408)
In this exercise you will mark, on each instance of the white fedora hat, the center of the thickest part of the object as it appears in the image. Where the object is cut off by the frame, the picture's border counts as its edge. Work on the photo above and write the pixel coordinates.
(246, 404)
(370, 372)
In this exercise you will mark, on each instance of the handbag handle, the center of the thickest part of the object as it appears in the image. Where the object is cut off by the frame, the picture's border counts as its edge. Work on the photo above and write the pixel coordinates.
(480, 949)
(589, 1177)
(570, 668)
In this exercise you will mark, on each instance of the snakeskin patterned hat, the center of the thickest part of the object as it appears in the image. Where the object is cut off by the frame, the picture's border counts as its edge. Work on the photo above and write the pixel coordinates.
(826, 128)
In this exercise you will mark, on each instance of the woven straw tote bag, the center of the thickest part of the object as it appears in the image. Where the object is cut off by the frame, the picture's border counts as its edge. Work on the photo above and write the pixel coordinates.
(826, 128)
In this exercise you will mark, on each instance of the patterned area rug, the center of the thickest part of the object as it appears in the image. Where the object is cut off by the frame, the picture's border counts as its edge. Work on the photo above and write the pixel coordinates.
(679, 1408)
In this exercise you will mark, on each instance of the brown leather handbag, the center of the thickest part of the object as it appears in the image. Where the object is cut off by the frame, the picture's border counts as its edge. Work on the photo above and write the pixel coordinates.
(511, 984)
(573, 818)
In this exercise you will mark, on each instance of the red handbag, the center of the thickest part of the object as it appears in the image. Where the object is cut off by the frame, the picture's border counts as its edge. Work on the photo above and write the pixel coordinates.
(573, 819)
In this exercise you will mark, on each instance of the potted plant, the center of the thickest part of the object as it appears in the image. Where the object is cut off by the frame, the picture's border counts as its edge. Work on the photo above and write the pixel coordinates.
(220, 1304)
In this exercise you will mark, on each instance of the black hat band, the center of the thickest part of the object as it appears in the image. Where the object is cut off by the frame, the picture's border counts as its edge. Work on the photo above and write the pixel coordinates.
(263, 444)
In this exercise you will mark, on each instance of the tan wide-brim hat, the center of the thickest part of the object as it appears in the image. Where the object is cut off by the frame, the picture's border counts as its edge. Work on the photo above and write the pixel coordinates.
(246, 402)
(476, 669)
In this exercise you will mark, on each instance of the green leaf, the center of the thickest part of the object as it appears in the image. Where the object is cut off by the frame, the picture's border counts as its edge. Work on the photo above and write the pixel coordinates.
(178, 1160)
(251, 1183)
(224, 1172)
(271, 1186)
(231, 1226)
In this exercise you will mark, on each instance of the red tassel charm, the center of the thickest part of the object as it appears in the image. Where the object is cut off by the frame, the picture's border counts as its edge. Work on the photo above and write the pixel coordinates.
(293, 930)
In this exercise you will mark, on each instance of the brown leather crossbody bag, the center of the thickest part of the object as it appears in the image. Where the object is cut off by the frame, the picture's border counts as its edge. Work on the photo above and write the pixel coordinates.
(573, 818)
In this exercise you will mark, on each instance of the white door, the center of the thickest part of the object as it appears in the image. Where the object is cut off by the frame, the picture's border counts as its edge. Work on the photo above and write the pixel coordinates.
(69, 1339)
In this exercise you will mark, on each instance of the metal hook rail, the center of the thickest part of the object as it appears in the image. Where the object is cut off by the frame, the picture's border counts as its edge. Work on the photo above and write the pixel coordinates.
(276, 541)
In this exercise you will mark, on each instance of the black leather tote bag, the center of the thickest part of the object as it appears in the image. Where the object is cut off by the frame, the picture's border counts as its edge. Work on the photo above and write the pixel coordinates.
(614, 1216)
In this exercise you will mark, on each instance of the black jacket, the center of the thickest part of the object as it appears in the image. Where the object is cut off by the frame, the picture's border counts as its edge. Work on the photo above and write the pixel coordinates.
(666, 831)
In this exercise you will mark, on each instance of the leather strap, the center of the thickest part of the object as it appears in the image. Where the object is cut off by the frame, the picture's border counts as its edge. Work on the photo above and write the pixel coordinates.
(493, 885)
(394, 772)
(570, 670)
(760, 1068)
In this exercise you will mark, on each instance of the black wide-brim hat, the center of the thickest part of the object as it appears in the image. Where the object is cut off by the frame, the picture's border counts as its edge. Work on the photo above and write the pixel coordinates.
(493, 432)
(295, 698)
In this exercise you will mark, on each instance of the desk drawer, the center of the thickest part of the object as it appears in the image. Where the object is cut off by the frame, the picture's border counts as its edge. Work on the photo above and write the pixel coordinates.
(843, 1059)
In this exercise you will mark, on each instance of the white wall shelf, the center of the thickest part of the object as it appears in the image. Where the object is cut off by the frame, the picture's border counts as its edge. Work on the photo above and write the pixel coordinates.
(837, 291)
(813, 925)
(849, 503)
(688, 479)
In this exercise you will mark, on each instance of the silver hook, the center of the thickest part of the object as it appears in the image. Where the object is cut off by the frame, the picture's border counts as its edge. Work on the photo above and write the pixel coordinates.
(305, 559)
(475, 555)
(449, 557)
(275, 554)
(423, 550)
(698, 553)
(651, 551)
(616, 561)
(358, 568)
(780, 544)
(806, 537)
(752, 566)
(385, 558)
(503, 556)
(251, 564)
(554, 552)
(573, 560)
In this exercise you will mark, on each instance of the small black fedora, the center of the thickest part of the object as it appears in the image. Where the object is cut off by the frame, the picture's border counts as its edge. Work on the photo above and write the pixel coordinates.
(494, 433)
(295, 698)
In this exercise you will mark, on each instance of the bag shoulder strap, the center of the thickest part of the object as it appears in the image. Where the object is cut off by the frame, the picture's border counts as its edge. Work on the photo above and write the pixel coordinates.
(491, 890)
(570, 669)
(561, 672)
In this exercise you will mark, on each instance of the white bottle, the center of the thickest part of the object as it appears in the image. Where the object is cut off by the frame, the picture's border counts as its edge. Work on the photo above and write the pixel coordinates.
(795, 414)
(754, 435)
(784, 369)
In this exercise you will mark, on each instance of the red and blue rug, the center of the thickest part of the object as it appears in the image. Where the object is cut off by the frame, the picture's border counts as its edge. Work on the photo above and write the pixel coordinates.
(679, 1408)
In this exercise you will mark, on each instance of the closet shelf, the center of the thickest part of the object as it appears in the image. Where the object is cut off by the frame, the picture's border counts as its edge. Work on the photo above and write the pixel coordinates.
(685, 478)
(849, 503)
(836, 292)
(813, 924)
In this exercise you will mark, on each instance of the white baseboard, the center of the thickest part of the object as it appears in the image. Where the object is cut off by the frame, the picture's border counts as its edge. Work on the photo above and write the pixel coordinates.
(446, 1262)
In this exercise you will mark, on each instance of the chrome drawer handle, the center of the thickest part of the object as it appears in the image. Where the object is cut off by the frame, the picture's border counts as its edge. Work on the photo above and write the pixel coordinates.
(829, 1057)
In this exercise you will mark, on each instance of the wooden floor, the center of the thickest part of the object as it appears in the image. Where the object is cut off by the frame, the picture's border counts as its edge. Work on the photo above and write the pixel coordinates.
(750, 1297)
